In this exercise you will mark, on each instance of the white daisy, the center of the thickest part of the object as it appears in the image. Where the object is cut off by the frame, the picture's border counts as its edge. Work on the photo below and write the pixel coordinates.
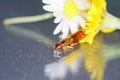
(70, 14)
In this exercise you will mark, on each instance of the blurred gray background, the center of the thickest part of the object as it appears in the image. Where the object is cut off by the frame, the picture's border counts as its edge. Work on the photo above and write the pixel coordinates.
(22, 58)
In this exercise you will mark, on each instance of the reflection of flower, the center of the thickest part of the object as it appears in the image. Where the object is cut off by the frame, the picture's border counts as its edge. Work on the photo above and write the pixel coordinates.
(70, 14)
(58, 70)
(93, 57)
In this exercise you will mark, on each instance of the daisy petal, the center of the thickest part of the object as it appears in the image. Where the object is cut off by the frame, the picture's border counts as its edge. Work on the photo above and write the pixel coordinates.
(65, 29)
(48, 8)
(73, 27)
(83, 4)
(57, 20)
(81, 22)
(58, 29)
(46, 1)
(58, 14)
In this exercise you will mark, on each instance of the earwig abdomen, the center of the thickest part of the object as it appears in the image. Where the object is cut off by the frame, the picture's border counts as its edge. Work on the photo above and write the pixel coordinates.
(78, 36)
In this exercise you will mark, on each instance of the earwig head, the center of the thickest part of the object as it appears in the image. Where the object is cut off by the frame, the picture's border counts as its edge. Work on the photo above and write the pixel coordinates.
(58, 52)
(59, 45)
(63, 43)
(61, 48)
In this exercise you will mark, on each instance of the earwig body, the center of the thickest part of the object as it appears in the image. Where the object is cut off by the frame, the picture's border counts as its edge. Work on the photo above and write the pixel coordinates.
(78, 36)
(68, 43)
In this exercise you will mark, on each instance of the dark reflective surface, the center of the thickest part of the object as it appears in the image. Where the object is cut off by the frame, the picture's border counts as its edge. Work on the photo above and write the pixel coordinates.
(23, 58)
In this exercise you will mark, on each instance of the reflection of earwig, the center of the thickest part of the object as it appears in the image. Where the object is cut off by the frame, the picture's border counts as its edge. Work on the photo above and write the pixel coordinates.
(68, 43)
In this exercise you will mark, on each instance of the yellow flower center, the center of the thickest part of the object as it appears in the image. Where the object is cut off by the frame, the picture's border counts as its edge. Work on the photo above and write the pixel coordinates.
(71, 9)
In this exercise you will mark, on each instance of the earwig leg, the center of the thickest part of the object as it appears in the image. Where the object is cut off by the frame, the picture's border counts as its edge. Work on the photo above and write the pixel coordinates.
(74, 44)
(67, 47)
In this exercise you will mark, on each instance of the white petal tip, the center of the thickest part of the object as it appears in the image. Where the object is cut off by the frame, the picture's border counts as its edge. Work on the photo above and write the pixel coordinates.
(46, 1)
(57, 20)
(48, 8)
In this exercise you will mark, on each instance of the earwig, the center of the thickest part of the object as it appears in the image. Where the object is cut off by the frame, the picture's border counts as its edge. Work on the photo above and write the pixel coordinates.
(67, 44)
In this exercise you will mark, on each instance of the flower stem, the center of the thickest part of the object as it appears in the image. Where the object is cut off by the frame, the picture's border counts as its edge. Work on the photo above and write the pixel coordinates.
(111, 21)
(27, 19)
